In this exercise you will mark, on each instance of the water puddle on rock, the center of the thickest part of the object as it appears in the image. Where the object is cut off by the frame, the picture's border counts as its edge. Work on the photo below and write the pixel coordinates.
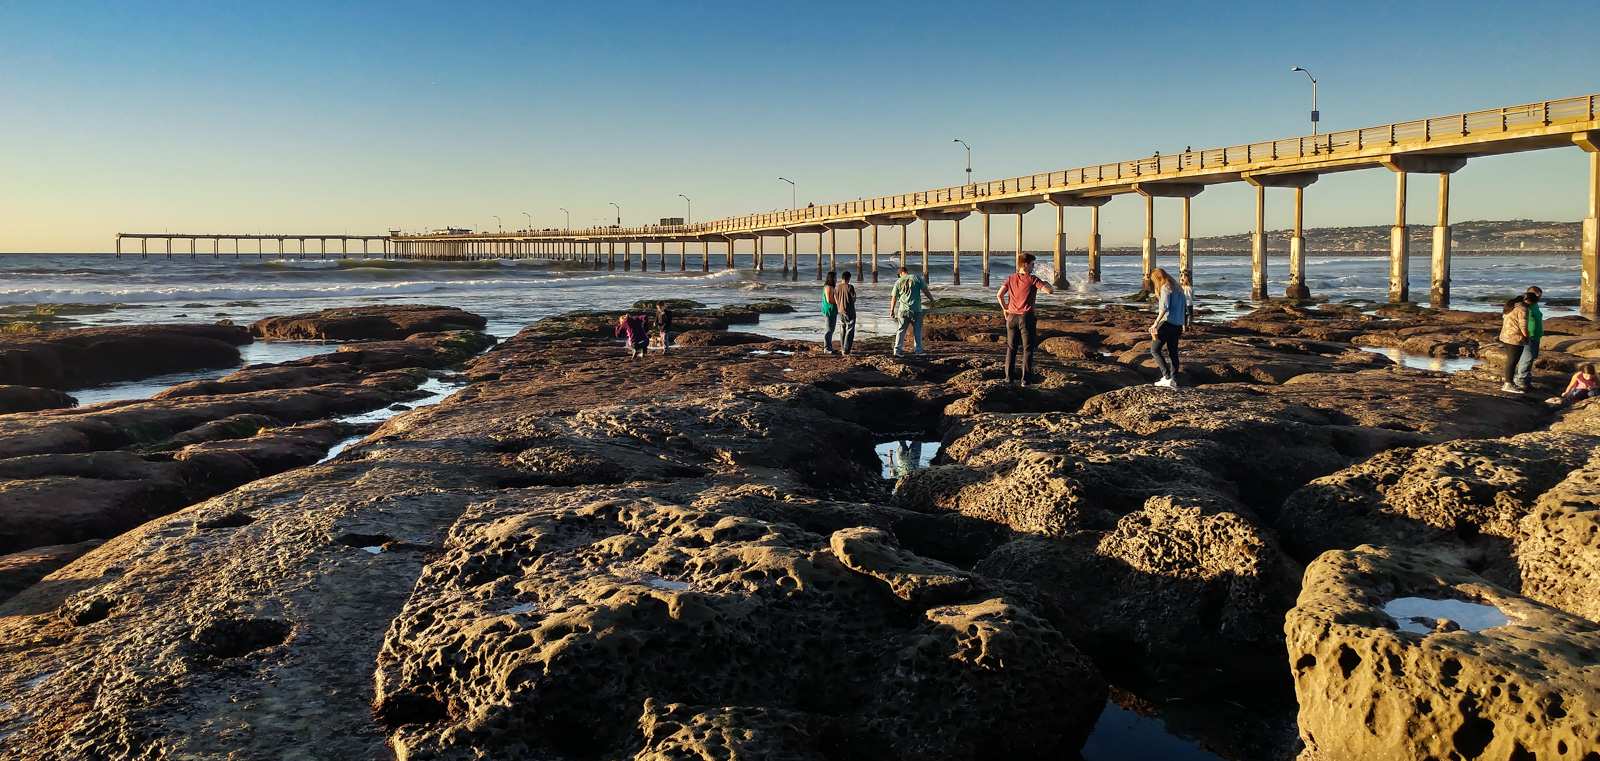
(1421, 362)
(436, 389)
(770, 352)
(1420, 615)
(1122, 735)
(667, 584)
(903, 456)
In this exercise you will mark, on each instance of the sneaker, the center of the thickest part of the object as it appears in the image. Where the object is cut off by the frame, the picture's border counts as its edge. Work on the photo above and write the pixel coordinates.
(1553, 401)
(1164, 383)
(1508, 388)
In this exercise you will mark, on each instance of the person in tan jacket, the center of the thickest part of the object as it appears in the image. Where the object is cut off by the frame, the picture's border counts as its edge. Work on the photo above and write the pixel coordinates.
(1521, 328)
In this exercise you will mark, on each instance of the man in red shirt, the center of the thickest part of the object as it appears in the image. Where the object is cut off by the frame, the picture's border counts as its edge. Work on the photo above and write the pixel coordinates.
(1016, 300)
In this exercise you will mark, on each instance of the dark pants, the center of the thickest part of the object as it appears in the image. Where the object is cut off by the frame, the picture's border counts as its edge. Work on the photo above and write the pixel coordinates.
(1518, 365)
(827, 338)
(1021, 329)
(1166, 341)
(847, 331)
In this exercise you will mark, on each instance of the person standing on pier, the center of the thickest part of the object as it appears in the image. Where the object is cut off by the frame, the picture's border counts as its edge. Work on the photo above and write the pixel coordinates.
(1016, 298)
(1521, 327)
(844, 298)
(905, 307)
(1171, 306)
(830, 309)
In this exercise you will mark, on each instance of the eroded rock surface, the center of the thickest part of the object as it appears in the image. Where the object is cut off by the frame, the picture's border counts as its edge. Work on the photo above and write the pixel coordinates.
(1374, 687)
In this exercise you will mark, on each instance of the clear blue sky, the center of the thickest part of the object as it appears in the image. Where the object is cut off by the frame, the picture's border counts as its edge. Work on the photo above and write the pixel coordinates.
(290, 116)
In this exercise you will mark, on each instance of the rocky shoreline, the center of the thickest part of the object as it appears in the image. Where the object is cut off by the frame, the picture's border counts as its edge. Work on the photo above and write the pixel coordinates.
(578, 556)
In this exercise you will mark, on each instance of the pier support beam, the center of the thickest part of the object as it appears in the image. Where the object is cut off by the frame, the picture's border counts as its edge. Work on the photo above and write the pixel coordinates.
(833, 250)
(860, 250)
(1018, 208)
(929, 216)
(1258, 248)
(1061, 201)
(926, 271)
(1439, 289)
(1185, 246)
(705, 255)
(1148, 252)
(1019, 241)
(1296, 289)
(985, 251)
(1151, 191)
(611, 255)
(955, 255)
(1058, 279)
(1399, 246)
(874, 253)
(1589, 251)
(1094, 244)
(819, 256)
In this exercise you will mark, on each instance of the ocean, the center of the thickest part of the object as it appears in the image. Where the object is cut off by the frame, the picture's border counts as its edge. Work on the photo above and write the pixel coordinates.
(513, 293)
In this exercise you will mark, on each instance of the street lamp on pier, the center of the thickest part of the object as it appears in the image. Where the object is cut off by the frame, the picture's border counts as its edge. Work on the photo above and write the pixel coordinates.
(501, 226)
(969, 158)
(619, 212)
(688, 209)
(530, 221)
(1315, 115)
(569, 218)
(793, 202)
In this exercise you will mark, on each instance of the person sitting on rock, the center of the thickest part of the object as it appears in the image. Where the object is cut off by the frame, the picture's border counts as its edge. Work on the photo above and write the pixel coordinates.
(1582, 386)
(631, 328)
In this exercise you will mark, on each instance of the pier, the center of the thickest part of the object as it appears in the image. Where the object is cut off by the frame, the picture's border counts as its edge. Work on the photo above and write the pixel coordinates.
(1289, 167)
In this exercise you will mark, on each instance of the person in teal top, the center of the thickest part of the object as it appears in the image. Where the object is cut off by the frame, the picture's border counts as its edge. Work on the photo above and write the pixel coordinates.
(1530, 347)
(905, 307)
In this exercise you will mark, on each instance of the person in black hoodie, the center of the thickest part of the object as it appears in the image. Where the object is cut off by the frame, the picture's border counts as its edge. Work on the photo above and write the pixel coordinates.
(664, 325)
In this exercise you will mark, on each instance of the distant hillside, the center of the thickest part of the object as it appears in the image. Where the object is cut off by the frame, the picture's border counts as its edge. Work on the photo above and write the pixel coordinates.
(1509, 235)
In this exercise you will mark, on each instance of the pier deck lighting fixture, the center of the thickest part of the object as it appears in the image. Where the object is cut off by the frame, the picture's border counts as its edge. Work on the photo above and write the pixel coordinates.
(793, 202)
(1316, 116)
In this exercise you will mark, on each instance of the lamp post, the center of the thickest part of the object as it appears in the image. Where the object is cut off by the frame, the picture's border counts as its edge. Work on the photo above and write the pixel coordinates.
(688, 209)
(501, 226)
(1315, 116)
(619, 213)
(969, 158)
(569, 218)
(530, 221)
(793, 202)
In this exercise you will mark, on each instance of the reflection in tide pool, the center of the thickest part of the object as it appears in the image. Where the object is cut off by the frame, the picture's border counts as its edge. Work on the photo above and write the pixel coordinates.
(437, 391)
(905, 455)
(1122, 735)
(1420, 362)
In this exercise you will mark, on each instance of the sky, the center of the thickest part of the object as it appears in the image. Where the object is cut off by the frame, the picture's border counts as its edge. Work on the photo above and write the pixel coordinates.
(291, 117)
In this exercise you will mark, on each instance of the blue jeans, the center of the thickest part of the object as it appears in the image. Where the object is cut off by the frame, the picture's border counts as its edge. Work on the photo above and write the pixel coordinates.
(1530, 352)
(827, 338)
(910, 322)
(847, 332)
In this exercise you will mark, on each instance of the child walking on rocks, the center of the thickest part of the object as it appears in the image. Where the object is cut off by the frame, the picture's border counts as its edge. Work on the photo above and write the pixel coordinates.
(631, 328)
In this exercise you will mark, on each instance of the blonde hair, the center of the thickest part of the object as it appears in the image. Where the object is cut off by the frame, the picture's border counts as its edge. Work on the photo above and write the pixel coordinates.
(1159, 279)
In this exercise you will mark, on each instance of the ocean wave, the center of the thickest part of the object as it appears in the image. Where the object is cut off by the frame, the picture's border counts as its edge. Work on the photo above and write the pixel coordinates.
(233, 290)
